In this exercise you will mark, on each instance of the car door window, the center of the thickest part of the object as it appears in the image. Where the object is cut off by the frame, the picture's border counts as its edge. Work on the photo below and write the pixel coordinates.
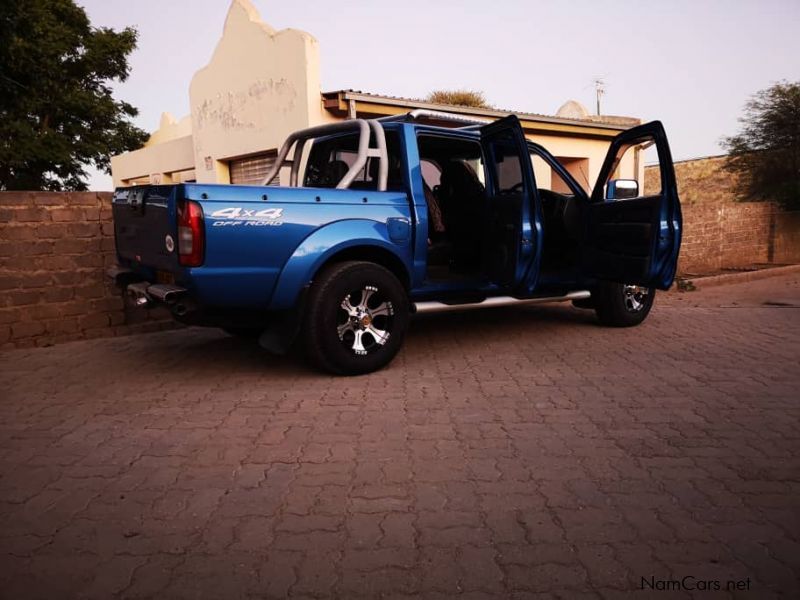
(331, 158)
(635, 162)
(506, 164)
(548, 178)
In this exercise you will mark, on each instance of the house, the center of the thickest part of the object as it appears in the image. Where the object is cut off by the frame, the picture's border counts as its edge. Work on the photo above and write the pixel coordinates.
(262, 84)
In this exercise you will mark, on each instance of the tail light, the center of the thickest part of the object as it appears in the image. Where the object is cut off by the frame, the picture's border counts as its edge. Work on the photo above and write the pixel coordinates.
(191, 234)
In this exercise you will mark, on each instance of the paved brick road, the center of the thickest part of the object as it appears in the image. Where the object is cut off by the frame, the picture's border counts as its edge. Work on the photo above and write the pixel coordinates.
(505, 454)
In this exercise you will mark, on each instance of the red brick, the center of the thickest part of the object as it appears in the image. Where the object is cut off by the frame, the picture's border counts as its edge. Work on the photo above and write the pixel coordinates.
(89, 198)
(90, 291)
(24, 297)
(72, 308)
(19, 231)
(41, 312)
(28, 249)
(51, 230)
(68, 277)
(62, 326)
(83, 229)
(108, 304)
(66, 215)
(91, 214)
(58, 294)
(24, 329)
(9, 282)
(35, 280)
(93, 321)
(29, 215)
(15, 198)
(87, 260)
(76, 246)
(10, 315)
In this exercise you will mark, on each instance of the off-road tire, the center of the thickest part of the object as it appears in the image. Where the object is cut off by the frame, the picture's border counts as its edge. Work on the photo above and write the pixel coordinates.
(335, 352)
(614, 306)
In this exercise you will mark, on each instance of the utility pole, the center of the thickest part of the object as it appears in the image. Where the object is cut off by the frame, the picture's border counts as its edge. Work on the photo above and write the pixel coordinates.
(600, 89)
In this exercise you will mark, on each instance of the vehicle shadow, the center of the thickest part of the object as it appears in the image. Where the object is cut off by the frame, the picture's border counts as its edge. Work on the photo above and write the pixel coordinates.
(213, 353)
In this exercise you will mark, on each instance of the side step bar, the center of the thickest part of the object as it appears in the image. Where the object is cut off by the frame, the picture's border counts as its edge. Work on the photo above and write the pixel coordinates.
(436, 307)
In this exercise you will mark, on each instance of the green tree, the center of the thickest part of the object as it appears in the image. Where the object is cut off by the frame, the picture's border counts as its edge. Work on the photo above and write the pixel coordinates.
(766, 152)
(57, 111)
(458, 98)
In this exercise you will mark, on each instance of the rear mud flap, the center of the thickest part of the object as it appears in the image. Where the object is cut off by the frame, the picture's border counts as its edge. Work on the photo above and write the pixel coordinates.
(281, 334)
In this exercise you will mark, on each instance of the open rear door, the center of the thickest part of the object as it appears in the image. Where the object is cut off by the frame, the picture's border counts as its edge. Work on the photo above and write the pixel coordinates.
(513, 232)
(633, 235)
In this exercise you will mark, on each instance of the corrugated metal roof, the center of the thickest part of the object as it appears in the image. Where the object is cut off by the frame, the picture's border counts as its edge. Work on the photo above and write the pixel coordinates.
(610, 121)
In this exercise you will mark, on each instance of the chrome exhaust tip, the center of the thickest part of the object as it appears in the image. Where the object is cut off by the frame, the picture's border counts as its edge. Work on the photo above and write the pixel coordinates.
(168, 294)
(170, 297)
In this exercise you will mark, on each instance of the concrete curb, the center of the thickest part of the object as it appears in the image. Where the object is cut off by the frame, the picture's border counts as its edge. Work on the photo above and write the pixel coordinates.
(728, 278)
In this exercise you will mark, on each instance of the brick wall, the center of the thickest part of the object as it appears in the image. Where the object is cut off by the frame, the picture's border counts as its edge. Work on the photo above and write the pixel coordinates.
(719, 231)
(787, 238)
(725, 234)
(54, 249)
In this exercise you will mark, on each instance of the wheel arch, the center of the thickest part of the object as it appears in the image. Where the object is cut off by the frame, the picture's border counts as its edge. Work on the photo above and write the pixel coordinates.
(362, 241)
(374, 254)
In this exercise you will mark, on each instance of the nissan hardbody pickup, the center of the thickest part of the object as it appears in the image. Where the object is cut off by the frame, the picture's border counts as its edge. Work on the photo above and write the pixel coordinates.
(383, 219)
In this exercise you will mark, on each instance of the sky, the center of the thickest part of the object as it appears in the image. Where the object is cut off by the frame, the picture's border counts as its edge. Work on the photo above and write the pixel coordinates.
(691, 64)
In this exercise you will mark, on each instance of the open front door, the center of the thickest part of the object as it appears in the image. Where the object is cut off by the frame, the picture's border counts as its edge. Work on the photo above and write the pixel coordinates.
(633, 235)
(513, 232)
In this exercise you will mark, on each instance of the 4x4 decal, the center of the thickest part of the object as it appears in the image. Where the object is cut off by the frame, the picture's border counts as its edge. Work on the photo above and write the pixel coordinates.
(236, 215)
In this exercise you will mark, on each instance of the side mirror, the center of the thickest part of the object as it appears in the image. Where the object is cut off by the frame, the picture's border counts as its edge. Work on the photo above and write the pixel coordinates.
(619, 189)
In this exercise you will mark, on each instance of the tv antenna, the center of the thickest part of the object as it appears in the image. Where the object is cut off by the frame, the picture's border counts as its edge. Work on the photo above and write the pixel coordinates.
(600, 89)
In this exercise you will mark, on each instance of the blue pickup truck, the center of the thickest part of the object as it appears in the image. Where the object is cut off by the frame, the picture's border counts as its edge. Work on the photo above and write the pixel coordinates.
(386, 218)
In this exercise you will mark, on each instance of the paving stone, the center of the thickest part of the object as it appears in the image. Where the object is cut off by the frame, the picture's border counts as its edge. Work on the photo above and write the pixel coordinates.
(506, 454)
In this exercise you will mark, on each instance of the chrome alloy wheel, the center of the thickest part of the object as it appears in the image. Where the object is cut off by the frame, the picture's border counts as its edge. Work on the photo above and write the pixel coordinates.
(366, 326)
(635, 297)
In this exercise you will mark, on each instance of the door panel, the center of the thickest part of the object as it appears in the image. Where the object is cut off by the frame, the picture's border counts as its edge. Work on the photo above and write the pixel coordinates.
(511, 243)
(635, 240)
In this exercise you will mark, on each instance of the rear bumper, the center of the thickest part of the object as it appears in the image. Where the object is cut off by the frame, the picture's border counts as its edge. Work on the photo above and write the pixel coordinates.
(279, 327)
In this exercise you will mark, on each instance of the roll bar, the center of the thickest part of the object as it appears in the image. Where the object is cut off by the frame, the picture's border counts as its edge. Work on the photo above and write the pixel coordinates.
(425, 114)
(363, 127)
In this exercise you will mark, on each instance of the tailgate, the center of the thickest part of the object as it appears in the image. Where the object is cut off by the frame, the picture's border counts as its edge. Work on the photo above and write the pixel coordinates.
(145, 225)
